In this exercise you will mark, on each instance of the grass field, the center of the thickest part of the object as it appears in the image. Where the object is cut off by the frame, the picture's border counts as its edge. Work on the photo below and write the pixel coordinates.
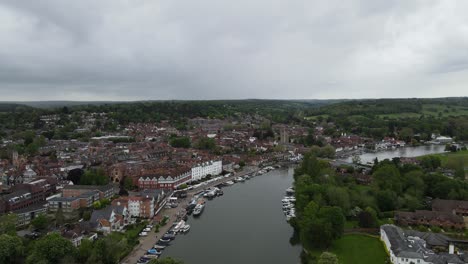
(453, 159)
(362, 249)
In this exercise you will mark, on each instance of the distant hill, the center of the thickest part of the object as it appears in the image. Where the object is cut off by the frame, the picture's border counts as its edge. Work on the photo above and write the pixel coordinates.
(10, 107)
(57, 104)
(396, 108)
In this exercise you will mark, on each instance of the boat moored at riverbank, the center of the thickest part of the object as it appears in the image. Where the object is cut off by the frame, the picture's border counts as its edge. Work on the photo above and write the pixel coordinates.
(198, 209)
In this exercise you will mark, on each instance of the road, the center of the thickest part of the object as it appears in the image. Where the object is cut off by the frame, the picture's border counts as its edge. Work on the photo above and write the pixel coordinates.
(149, 241)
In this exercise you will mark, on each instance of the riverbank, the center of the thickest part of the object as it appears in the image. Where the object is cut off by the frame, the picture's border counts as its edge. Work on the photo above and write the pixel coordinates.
(245, 225)
(174, 215)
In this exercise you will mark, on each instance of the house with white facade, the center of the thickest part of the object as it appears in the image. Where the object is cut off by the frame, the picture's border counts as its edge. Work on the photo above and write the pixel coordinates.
(204, 169)
(111, 218)
(412, 247)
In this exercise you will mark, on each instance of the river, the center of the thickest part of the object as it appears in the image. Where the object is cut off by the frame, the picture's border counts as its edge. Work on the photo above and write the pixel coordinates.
(399, 152)
(246, 225)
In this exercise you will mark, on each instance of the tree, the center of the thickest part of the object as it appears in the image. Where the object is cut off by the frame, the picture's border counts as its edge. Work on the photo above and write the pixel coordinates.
(40, 222)
(11, 249)
(128, 183)
(406, 134)
(59, 217)
(206, 143)
(388, 177)
(334, 216)
(328, 258)
(94, 177)
(167, 260)
(86, 215)
(386, 200)
(180, 142)
(368, 218)
(8, 224)
(52, 249)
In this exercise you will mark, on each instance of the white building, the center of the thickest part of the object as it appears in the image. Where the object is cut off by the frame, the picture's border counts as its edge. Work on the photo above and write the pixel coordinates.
(200, 171)
(410, 248)
(141, 207)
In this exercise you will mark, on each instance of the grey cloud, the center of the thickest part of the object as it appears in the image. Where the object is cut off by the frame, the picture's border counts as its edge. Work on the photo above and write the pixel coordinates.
(208, 49)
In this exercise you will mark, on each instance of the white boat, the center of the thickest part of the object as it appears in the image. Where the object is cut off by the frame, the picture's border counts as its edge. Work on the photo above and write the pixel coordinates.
(229, 182)
(185, 229)
(179, 226)
(198, 209)
(290, 191)
(239, 179)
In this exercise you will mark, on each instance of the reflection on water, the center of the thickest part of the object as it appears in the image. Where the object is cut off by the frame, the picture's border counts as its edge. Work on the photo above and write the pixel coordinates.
(245, 225)
(400, 152)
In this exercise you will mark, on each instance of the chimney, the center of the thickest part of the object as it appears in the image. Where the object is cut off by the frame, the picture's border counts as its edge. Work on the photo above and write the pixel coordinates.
(451, 249)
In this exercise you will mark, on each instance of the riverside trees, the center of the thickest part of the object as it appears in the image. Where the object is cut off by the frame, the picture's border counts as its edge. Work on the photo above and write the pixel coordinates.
(325, 198)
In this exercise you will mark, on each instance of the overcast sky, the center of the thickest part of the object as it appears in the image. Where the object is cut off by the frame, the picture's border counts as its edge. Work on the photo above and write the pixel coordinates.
(212, 49)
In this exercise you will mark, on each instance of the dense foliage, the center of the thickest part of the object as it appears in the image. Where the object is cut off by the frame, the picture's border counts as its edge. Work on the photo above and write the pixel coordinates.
(324, 197)
(403, 118)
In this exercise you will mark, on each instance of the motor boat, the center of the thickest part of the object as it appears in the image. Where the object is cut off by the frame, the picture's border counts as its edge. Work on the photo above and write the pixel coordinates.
(169, 236)
(198, 209)
(153, 252)
(239, 179)
(179, 225)
(185, 229)
(159, 247)
(164, 241)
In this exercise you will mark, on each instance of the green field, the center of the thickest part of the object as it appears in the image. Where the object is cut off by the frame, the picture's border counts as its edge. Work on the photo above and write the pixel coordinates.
(452, 160)
(362, 249)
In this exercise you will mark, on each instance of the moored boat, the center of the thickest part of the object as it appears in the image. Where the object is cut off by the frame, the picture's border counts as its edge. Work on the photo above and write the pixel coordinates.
(198, 209)
(185, 229)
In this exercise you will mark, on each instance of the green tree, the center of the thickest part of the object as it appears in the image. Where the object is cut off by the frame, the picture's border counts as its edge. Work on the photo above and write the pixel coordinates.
(206, 143)
(180, 142)
(338, 196)
(128, 183)
(388, 177)
(386, 200)
(368, 218)
(52, 249)
(167, 260)
(86, 215)
(59, 217)
(40, 222)
(334, 216)
(328, 258)
(94, 177)
(8, 224)
(11, 249)
(460, 173)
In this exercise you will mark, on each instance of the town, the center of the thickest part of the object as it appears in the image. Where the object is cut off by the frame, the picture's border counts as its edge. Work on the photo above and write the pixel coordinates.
(87, 176)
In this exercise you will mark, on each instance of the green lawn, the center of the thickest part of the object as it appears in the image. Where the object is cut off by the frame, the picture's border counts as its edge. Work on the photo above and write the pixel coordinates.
(453, 159)
(362, 249)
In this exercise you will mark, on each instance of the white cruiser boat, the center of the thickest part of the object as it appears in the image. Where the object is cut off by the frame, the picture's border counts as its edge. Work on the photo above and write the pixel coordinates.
(198, 209)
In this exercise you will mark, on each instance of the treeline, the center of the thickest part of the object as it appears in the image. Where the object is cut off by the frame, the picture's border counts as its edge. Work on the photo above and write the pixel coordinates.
(52, 248)
(325, 198)
(407, 116)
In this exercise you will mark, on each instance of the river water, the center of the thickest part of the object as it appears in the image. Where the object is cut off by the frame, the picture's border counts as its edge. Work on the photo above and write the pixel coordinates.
(246, 225)
(399, 152)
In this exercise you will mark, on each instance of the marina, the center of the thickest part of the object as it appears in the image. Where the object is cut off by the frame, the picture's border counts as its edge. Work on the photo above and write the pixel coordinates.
(246, 206)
